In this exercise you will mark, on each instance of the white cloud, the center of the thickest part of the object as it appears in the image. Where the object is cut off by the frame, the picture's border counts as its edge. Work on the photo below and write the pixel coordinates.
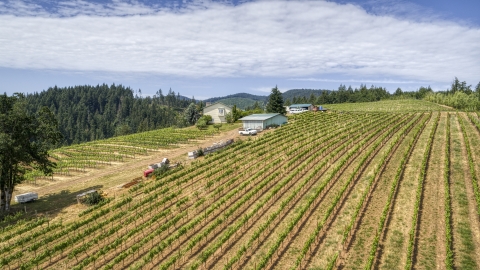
(365, 80)
(299, 39)
(265, 89)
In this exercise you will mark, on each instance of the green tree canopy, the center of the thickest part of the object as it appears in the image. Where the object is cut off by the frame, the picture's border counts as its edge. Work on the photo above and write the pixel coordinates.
(275, 102)
(191, 114)
(24, 143)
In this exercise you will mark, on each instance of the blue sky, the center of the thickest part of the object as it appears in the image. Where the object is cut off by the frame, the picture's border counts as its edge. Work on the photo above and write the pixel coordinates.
(208, 48)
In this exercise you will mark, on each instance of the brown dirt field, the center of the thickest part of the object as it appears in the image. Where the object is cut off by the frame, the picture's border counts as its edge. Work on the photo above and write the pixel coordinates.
(430, 252)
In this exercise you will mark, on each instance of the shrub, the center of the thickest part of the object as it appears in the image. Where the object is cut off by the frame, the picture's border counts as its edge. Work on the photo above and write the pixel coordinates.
(201, 124)
(160, 171)
(205, 118)
(217, 126)
(200, 152)
(93, 198)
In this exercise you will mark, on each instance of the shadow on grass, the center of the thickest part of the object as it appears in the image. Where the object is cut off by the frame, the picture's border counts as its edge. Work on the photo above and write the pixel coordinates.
(51, 204)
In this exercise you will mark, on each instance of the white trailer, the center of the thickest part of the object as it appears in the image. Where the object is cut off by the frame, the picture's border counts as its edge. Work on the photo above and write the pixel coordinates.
(26, 197)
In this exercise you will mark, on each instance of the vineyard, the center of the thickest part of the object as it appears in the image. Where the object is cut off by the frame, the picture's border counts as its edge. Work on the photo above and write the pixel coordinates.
(350, 190)
(99, 154)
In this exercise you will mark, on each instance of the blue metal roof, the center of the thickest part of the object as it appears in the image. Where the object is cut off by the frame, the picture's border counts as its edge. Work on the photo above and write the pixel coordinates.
(300, 105)
(260, 117)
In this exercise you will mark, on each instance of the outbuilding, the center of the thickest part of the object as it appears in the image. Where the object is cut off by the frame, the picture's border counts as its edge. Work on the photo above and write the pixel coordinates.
(217, 111)
(262, 121)
(308, 107)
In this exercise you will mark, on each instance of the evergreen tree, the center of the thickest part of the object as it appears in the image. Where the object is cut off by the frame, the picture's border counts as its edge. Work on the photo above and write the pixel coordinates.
(477, 90)
(229, 118)
(87, 112)
(455, 86)
(275, 102)
(312, 99)
(191, 115)
(256, 106)
(235, 113)
(398, 92)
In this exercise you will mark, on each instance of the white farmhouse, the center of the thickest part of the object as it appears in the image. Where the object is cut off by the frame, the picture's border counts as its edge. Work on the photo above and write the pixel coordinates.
(217, 111)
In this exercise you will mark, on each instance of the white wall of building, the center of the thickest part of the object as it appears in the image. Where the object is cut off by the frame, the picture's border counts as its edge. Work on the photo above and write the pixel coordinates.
(217, 111)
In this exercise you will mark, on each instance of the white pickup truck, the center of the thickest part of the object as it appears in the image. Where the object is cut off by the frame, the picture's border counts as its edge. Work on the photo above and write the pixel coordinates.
(248, 131)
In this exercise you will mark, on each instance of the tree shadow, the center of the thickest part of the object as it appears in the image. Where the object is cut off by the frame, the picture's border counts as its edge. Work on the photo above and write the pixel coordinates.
(51, 204)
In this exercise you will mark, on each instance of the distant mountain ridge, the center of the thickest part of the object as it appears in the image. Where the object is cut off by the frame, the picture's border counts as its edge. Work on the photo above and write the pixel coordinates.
(245, 100)
(238, 95)
(298, 93)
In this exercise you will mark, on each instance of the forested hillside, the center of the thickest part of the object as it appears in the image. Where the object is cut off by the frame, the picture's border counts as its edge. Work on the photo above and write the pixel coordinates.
(318, 96)
(242, 103)
(238, 95)
(87, 113)
(300, 93)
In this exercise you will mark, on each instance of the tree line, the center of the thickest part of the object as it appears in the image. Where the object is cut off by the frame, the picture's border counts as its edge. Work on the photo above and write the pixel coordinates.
(459, 96)
(342, 95)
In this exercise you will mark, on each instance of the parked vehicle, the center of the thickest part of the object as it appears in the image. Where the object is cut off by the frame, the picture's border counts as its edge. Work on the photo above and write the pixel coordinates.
(295, 110)
(148, 172)
(248, 131)
(26, 197)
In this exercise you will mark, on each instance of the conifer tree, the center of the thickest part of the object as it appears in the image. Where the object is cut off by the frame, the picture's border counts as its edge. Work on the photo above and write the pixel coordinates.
(275, 102)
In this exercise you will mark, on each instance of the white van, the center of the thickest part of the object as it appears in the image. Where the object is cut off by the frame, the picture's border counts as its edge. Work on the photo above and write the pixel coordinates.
(26, 197)
(297, 110)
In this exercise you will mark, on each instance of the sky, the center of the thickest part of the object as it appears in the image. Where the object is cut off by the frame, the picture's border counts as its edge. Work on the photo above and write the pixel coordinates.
(210, 48)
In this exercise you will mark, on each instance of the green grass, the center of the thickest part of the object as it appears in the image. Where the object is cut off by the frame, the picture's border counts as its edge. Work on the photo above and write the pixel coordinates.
(392, 261)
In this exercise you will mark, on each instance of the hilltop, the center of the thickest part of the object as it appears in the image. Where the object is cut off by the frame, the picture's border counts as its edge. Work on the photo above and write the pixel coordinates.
(245, 100)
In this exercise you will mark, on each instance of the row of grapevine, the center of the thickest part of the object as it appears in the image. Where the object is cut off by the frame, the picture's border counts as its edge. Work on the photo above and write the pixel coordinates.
(331, 210)
(276, 200)
(471, 163)
(391, 194)
(448, 204)
(363, 202)
(313, 201)
(418, 198)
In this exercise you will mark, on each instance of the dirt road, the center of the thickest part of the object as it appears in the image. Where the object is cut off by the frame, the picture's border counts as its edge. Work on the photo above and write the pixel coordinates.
(112, 176)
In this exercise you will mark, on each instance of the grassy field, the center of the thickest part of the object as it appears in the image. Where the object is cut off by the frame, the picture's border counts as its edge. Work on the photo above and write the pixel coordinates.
(367, 187)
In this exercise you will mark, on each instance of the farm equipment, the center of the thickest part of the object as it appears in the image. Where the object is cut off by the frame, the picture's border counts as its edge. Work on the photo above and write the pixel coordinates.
(164, 164)
(26, 197)
(205, 151)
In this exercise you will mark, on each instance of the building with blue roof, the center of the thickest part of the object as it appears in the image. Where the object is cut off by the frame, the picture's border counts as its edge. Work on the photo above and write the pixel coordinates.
(264, 120)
